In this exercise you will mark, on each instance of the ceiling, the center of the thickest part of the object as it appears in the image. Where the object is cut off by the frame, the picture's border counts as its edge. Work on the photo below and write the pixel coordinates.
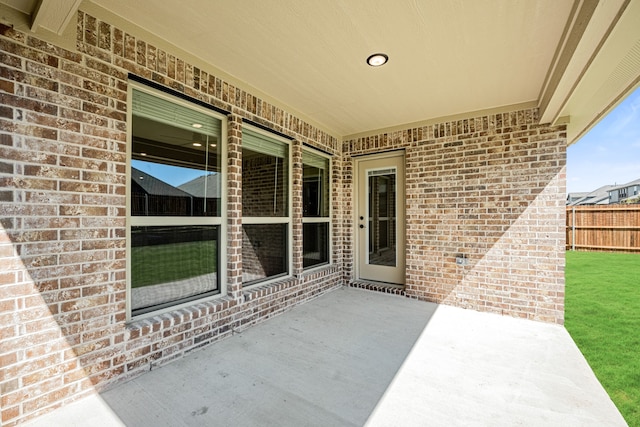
(575, 59)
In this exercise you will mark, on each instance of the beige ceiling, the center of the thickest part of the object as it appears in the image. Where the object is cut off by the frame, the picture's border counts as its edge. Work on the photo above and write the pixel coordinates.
(446, 58)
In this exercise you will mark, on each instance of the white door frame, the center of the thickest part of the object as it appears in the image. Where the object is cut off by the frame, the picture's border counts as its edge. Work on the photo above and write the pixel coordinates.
(364, 270)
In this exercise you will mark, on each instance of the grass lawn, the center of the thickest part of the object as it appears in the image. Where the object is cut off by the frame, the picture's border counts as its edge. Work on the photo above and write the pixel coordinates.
(602, 314)
(151, 265)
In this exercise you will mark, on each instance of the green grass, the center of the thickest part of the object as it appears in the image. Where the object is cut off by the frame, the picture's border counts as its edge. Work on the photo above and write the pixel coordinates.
(151, 265)
(602, 314)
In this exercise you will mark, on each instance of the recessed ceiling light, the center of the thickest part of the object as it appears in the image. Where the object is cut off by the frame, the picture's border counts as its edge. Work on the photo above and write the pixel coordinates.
(197, 144)
(213, 145)
(377, 59)
(196, 125)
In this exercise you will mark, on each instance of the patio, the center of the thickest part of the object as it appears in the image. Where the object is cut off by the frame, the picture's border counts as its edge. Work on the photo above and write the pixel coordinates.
(354, 357)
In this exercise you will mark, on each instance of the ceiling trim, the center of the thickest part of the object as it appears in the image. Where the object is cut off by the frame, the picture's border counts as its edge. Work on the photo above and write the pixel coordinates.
(581, 14)
(612, 75)
(618, 99)
(577, 62)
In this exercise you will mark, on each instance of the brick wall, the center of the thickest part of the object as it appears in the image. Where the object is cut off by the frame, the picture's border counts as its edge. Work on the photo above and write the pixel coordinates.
(63, 137)
(489, 188)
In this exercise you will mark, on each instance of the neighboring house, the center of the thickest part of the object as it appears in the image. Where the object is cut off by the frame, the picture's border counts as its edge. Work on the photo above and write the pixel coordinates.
(151, 196)
(574, 197)
(599, 196)
(624, 193)
(328, 172)
(203, 186)
(606, 195)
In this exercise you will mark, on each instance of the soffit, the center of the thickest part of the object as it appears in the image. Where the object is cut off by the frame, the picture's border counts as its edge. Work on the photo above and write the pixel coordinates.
(611, 69)
(445, 57)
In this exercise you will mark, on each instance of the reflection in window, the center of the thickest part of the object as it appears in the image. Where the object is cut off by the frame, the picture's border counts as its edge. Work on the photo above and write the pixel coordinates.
(175, 173)
(264, 252)
(382, 217)
(265, 207)
(315, 243)
(265, 176)
(315, 209)
(172, 264)
(175, 168)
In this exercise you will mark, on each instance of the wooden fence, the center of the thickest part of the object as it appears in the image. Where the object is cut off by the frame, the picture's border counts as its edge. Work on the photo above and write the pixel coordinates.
(611, 228)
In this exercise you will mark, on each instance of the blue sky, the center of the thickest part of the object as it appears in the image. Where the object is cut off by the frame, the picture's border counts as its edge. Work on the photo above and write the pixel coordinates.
(610, 152)
(172, 175)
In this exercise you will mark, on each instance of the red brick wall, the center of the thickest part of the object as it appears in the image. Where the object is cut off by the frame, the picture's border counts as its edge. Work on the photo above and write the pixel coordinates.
(490, 188)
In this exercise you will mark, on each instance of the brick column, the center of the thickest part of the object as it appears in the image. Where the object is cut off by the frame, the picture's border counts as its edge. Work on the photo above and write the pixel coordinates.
(347, 225)
(234, 207)
(338, 228)
(296, 214)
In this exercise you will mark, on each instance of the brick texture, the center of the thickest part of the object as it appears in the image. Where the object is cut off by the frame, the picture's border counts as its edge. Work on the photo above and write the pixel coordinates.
(490, 187)
(63, 145)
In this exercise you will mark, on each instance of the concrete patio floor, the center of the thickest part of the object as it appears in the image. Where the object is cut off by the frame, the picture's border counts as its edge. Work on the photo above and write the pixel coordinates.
(354, 357)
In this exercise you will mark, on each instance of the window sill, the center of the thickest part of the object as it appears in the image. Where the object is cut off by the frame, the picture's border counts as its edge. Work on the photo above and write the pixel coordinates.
(171, 316)
(260, 290)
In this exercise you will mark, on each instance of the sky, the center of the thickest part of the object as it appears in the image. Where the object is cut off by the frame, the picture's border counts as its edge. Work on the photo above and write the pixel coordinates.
(610, 152)
(172, 175)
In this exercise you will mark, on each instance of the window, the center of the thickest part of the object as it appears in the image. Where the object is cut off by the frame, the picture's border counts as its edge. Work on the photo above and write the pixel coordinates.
(175, 199)
(266, 212)
(382, 216)
(315, 209)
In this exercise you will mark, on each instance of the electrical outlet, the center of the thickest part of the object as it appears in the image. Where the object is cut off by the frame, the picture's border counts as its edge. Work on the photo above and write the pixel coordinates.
(462, 260)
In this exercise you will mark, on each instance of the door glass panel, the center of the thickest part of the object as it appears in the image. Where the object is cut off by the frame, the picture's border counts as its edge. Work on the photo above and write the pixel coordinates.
(382, 217)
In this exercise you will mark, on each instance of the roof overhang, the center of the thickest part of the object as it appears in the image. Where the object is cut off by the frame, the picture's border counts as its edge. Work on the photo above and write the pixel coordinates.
(574, 59)
(598, 64)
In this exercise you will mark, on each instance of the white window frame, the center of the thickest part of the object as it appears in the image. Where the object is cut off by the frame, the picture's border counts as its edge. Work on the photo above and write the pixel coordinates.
(261, 220)
(327, 219)
(133, 221)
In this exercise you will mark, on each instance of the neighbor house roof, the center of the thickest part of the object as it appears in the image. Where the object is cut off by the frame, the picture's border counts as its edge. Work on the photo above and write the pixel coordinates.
(154, 186)
(596, 197)
(572, 197)
(628, 184)
(208, 186)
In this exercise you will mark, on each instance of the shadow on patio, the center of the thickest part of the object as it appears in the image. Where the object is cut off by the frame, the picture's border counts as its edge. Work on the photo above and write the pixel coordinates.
(354, 357)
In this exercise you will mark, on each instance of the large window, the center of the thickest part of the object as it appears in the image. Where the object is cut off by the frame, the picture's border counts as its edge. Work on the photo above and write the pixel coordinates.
(266, 217)
(316, 209)
(175, 192)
